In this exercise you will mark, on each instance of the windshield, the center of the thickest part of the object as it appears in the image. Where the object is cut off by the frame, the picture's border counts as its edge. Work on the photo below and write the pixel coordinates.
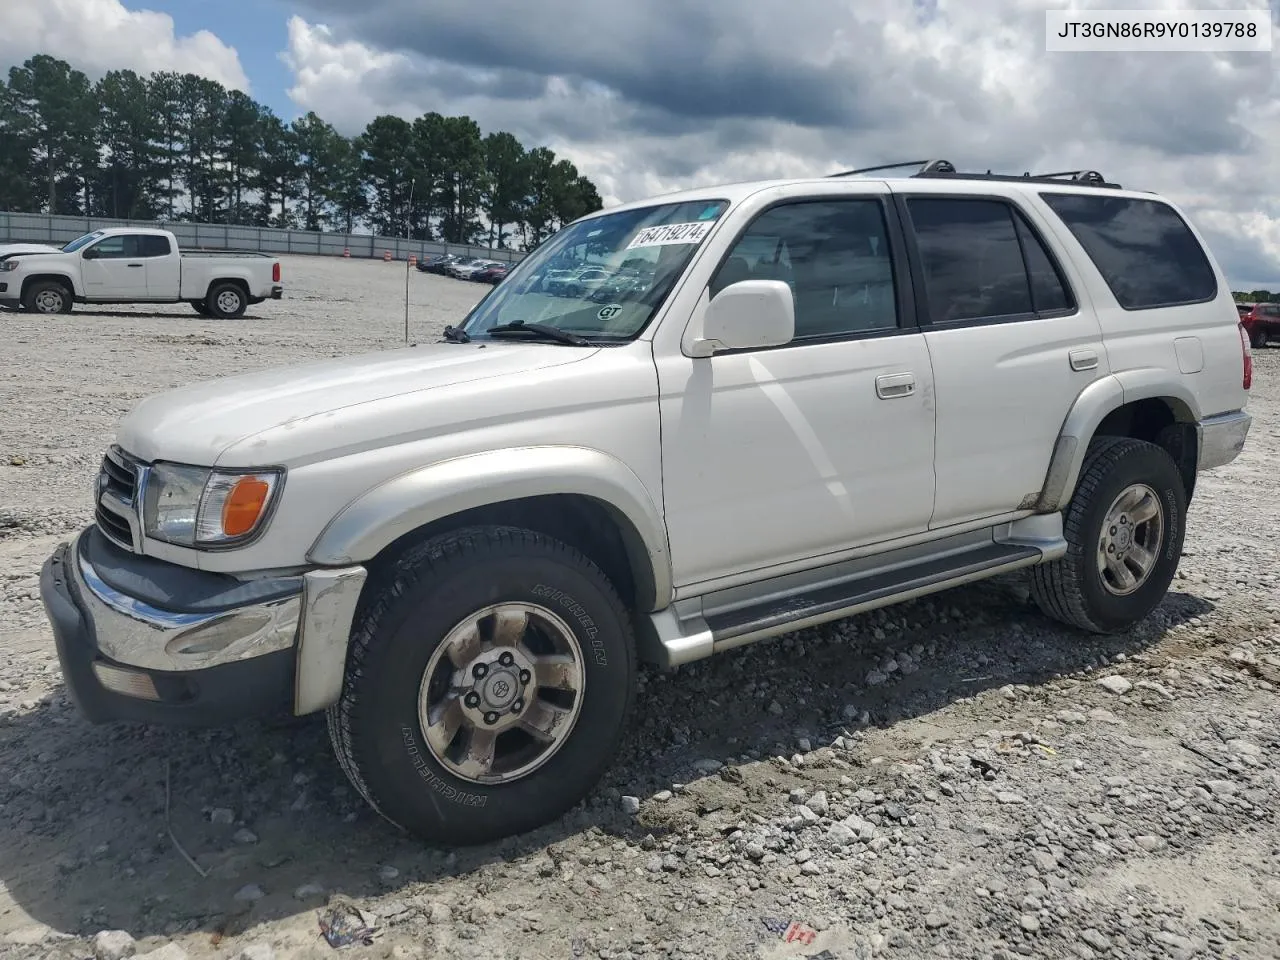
(601, 278)
(79, 242)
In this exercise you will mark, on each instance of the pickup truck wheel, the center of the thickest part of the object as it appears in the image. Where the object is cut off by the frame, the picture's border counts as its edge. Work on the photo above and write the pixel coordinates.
(488, 684)
(47, 297)
(226, 301)
(1124, 528)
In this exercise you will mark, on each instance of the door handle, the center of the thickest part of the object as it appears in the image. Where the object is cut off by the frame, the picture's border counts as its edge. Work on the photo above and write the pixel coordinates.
(1083, 360)
(135, 264)
(890, 386)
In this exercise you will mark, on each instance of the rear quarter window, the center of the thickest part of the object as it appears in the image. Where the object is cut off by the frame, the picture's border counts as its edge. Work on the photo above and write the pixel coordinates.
(1144, 250)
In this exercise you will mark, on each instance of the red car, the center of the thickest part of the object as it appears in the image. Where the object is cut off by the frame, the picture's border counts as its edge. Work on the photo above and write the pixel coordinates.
(492, 275)
(1261, 322)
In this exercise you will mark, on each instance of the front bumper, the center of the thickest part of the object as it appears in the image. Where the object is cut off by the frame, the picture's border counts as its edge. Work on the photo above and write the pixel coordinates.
(144, 640)
(1222, 438)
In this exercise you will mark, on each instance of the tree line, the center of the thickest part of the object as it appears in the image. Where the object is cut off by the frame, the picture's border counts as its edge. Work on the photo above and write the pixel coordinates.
(181, 147)
(1255, 296)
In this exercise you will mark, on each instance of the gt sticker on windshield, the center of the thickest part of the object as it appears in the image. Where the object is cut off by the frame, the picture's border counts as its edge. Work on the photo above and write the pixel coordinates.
(670, 233)
(607, 313)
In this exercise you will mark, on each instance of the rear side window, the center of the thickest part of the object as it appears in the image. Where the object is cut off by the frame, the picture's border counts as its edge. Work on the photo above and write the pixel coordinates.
(982, 261)
(1146, 252)
(154, 246)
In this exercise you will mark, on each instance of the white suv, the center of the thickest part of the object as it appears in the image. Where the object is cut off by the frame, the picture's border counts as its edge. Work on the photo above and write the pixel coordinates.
(820, 397)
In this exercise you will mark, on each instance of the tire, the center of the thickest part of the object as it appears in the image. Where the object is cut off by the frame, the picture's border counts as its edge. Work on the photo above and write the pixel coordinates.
(200, 307)
(398, 655)
(1072, 589)
(226, 301)
(1257, 338)
(47, 296)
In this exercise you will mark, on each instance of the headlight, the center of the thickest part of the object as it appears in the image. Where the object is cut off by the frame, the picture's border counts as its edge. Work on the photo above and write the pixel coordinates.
(199, 507)
(8, 265)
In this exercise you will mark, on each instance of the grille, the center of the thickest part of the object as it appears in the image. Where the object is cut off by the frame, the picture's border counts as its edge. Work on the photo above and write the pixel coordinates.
(115, 527)
(121, 478)
(117, 485)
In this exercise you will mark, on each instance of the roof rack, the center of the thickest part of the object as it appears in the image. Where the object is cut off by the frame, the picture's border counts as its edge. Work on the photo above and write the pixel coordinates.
(944, 169)
(931, 166)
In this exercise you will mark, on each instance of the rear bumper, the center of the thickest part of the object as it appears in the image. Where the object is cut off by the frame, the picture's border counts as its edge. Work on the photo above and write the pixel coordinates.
(1222, 438)
(277, 292)
(210, 654)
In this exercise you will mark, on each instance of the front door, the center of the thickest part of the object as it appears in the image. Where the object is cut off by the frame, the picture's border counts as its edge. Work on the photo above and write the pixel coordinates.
(114, 270)
(1010, 345)
(797, 452)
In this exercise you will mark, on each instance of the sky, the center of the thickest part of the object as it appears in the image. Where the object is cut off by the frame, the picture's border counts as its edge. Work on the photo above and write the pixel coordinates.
(657, 96)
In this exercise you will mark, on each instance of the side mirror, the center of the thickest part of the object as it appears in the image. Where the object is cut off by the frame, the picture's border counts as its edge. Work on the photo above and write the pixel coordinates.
(90, 254)
(751, 313)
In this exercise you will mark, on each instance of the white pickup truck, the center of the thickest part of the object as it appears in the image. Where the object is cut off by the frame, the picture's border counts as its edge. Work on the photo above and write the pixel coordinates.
(810, 398)
(130, 265)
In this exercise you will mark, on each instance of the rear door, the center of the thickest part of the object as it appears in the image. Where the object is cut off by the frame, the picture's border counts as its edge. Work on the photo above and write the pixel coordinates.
(163, 266)
(112, 269)
(1010, 341)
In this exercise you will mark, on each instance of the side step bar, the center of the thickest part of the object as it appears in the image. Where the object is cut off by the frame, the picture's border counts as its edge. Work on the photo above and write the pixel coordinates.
(696, 628)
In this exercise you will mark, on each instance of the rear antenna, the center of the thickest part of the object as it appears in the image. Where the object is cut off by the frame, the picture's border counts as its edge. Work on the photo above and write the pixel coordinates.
(406, 265)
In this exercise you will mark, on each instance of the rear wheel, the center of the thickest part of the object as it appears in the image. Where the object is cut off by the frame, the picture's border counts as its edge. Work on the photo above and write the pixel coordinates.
(226, 301)
(488, 683)
(1124, 528)
(47, 296)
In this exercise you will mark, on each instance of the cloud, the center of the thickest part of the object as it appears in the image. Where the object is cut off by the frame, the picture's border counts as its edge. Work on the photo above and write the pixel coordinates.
(652, 97)
(100, 35)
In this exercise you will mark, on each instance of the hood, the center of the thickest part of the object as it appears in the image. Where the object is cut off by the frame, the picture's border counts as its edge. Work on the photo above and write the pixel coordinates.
(196, 424)
(10, 248)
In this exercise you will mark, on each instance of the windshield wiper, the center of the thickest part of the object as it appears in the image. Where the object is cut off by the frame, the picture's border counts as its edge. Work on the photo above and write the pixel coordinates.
(456, 335)
(542, 329)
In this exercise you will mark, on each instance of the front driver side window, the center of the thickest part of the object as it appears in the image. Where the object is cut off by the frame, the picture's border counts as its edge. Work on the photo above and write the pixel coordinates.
(116, 248)
(834, 254)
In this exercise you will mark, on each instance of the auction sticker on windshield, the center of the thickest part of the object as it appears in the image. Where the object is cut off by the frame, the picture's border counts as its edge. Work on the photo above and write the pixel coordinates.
(670, 233)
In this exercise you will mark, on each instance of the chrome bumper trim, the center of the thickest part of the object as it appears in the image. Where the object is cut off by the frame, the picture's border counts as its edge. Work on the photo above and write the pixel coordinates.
(134, 633)
(317, 620)
(1222, 438)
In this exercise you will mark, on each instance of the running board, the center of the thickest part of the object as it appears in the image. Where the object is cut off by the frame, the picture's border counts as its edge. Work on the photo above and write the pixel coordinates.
(696, 628)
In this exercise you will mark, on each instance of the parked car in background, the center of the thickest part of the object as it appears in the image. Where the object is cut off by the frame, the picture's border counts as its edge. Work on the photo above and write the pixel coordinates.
(435, 262)
(128, 265)
(493, 274)
(1262, 323)
(467, 269)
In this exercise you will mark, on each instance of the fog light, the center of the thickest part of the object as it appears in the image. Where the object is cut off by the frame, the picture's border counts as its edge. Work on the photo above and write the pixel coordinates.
(129, 683)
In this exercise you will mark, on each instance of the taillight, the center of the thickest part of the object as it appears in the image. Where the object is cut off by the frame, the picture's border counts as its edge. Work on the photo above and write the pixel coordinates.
(275, 273)
(1247, 353)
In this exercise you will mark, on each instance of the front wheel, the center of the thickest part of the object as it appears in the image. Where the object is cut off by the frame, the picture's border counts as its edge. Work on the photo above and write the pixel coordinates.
(1124, 529)
(488, 683)
(47, 297)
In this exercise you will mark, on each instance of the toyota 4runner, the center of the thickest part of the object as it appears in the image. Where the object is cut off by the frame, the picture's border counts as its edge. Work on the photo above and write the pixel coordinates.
(799, 400)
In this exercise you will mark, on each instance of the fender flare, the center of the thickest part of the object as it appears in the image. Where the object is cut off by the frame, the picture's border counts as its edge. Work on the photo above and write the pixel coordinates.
(404, 503)
(41, 275)
(1090, 408)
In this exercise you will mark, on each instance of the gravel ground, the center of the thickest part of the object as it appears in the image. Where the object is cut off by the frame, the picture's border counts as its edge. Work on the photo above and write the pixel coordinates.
(955, 777)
